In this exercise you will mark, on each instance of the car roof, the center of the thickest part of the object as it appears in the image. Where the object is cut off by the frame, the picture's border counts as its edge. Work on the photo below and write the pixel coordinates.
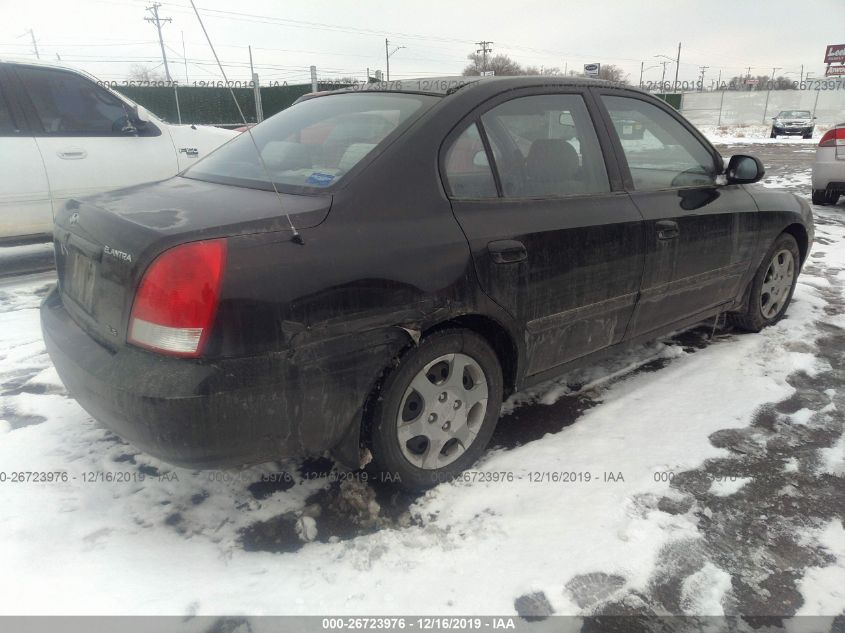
(53, 65)
(447, 85)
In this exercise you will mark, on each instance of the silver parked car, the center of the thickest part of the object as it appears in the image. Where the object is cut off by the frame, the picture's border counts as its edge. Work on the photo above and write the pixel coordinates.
(829, 167)
(793, 122)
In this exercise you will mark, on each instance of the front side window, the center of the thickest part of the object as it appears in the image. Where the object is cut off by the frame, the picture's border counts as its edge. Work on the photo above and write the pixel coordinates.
(467, 168)
(660, 151)
(545, 145)
(312, 144)
(67, 104)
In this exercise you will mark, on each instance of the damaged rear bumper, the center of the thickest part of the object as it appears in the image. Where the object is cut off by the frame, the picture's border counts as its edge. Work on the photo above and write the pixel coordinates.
(222, 413)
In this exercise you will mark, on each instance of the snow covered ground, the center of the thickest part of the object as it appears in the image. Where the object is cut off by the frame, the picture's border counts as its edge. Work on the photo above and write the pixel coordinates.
(695, 475)
(757, 134)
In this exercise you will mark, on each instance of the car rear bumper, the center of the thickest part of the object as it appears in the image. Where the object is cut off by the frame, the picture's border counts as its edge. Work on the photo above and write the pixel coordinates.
(214, 414)
(829, 174)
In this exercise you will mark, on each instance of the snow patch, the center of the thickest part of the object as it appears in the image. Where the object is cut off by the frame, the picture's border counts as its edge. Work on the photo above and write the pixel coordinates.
(727, 486)
(702, 592)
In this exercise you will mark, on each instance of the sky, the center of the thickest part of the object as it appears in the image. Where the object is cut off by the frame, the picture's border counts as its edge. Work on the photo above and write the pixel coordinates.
(345, 38)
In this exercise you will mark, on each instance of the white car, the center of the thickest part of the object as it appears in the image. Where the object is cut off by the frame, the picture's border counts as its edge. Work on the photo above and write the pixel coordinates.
(63, 135)
(829, 167)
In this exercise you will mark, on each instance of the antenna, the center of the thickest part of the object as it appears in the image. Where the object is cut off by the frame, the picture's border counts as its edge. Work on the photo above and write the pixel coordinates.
(297, 238)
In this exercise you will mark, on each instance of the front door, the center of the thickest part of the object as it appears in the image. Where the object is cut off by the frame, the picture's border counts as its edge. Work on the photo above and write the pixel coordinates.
(552, 243)
(699, 235)
(81, 130)
(25, 207)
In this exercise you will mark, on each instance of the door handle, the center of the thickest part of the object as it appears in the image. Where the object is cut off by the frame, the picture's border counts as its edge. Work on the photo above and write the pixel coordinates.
(507, 251)
(667, 229)
(73, 153)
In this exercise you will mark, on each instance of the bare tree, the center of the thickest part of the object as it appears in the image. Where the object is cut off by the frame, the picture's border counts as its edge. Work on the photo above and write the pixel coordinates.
(499, 64)
(145, 74)
(542, 70)
(609, 72)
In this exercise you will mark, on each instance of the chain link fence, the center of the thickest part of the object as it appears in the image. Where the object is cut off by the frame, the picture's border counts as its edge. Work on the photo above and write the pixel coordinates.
(750, 107)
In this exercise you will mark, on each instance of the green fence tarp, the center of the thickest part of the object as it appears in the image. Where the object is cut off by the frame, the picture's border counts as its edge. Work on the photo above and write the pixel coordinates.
(213, 105)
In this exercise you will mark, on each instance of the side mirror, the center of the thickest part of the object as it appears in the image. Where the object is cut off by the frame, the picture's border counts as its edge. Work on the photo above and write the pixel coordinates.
(743, 170)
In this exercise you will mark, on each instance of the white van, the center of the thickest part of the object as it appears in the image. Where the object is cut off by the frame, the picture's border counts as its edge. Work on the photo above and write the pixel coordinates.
(62, 135)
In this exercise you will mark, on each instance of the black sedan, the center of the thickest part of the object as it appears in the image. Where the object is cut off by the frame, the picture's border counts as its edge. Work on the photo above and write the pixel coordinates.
(371, 271)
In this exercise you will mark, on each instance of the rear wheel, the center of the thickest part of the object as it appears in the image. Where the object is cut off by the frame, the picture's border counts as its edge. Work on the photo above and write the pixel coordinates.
(808, 135)
(820, 196)
(772, 287)
(437, 410)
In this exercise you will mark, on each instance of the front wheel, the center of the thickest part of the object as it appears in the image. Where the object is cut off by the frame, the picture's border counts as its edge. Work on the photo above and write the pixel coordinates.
(772, 287)
(437, 410)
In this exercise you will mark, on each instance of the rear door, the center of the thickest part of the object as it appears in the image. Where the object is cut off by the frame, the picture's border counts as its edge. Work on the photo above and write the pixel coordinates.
(700, 235)
(25, 207)
(85, 138)
(555, 240)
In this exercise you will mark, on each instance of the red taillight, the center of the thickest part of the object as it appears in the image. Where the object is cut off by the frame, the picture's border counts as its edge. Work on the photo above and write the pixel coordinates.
(175, 304)
(833, 137)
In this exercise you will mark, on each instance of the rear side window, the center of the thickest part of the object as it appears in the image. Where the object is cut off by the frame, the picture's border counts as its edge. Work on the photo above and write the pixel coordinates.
(660, 151)
(546, 146)
(467, 168)
(67, 104)
(7, 125)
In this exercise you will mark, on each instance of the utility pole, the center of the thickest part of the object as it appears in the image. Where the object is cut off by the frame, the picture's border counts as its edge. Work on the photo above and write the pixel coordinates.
(34, 43)
(155, 19)
(701, 81)
(387, 54)
(256, 91)
(485, 48)
(768, 91)
(677, 65)
(801, 81)
(663, 76)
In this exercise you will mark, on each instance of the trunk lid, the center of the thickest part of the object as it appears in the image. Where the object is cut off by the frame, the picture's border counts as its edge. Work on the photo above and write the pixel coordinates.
(103, 244)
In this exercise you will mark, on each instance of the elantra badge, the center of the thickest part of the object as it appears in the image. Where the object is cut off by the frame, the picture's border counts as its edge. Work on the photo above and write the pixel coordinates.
(122, 255)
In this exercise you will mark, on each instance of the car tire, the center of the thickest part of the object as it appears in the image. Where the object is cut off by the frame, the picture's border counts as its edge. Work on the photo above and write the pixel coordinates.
(832, 197)
(405, 423)
(772, 286)
(820, 197)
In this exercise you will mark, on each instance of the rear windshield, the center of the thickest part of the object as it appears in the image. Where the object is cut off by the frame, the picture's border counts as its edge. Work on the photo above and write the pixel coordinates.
(313, 144)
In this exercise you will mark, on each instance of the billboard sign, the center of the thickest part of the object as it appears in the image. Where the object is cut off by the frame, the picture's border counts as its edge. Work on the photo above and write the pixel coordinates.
(835, 71)
(834, 54)
(592, 70)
